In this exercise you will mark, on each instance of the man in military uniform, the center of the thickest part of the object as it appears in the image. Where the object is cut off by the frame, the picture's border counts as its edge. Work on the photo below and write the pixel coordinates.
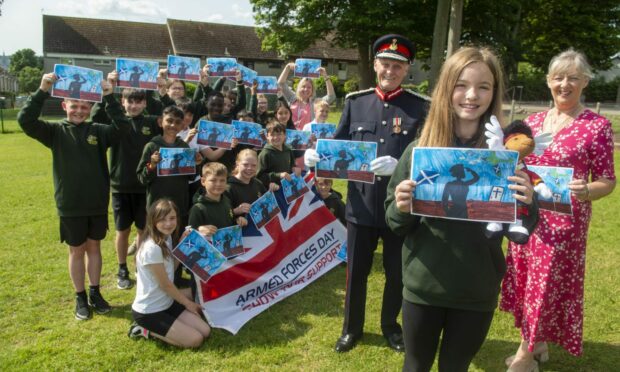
(390, 116)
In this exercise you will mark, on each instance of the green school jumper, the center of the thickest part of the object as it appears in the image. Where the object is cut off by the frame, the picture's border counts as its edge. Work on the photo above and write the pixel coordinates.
(272, 162)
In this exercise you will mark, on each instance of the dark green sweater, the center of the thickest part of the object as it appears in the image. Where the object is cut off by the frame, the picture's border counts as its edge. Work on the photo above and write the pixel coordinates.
(272, 162)
(239, 192)
(446, 263)
(175, 188)
(80, 170)
(207, 211)
(125, 155)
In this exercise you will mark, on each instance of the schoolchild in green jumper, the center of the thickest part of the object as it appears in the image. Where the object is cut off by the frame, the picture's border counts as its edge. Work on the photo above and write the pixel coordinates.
(175, 188)
(451, 271)
(213, 210)
(81, 182)
(331, 198)
(243, 187)
(276, 161)
(128, 194)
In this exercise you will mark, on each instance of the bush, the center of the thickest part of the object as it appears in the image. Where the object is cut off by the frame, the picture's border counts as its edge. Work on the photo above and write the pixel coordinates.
(352, 85)
(534, 83)
(600, 91)
(190, 88)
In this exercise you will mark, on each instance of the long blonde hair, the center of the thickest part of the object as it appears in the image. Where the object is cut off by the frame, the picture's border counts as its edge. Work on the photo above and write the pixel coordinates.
(439, 126)
(298, 91)
(155, 213)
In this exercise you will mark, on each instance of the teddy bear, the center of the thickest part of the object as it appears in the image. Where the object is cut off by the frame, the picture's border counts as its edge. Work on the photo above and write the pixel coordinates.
(517, 137)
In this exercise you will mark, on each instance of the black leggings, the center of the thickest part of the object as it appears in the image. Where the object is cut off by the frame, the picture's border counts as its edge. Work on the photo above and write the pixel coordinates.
(464, 332)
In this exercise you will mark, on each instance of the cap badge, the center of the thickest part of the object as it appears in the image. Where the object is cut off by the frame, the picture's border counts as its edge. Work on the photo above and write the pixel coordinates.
(394, 45)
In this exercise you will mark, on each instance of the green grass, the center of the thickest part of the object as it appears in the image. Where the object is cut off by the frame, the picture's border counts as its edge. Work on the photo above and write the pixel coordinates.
(38, 332)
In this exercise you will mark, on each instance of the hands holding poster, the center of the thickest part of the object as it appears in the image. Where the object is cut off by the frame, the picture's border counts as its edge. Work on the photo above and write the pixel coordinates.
(198, 255)
(176, 161)
(349, 160)
(557, 180)
(248, 133)
(77, 83)
(214, 134)
(298, 140)
(267, 84)
(137, 74)
(222, 66)
(184, 68)
(463, 184)
(305, 67)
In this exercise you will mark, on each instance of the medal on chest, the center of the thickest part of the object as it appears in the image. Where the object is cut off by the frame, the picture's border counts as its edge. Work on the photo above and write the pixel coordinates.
(396, 125)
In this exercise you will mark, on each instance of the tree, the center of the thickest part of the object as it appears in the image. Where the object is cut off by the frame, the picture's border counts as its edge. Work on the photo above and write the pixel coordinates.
(23, 58)
(291, 26)
(29, 79)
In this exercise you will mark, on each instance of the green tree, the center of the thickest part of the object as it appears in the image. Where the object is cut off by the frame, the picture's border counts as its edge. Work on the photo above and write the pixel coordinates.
(291, 26)
(29, 79)
(23, 58)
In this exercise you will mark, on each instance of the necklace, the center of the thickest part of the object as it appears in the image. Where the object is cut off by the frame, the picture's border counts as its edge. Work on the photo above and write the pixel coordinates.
(555, 120)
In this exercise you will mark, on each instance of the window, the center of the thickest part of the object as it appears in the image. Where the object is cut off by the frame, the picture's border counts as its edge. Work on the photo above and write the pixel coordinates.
(102, 62)
(342, 66)
(249, 64)
(275, 64)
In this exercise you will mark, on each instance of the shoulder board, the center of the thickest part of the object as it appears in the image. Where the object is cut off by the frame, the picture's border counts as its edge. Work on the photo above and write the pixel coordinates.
(360, 93)
(419, 95)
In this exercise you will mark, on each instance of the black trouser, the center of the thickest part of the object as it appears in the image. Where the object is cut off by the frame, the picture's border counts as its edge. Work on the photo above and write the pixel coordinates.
(464, 332)
(361, 245)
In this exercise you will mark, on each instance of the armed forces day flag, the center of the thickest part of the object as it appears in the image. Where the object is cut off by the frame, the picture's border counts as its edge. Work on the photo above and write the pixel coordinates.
(292, 250)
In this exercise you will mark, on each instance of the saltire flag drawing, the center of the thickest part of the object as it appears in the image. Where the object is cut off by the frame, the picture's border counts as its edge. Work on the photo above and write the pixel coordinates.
(291, 251)
(426, 176)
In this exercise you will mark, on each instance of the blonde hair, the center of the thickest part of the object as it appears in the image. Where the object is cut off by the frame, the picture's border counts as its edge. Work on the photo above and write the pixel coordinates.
(439, 126)
(155, 213)
(299, 84)
(214, 169)
(261, 96)
(320, 103)
(243, 154)
(567, 60)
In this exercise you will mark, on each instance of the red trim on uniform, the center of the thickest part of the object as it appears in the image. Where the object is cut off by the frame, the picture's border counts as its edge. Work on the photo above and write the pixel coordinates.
(386, 96)
(399, 48)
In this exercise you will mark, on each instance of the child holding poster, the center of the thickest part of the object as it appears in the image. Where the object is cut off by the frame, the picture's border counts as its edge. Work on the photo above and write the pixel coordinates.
(175, 188)
(276, 161)
(81, 182)
(452, 273)
(128, 195)
(160, 309)
(213, 210)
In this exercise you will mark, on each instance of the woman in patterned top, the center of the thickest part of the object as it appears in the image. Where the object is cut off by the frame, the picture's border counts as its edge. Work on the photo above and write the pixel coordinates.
(543, 286)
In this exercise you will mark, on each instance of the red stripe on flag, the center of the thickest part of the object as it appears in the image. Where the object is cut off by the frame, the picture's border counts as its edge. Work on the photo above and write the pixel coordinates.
(286, 242)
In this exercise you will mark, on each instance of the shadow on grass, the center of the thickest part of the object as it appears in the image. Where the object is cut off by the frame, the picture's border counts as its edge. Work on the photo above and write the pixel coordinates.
(596, 356)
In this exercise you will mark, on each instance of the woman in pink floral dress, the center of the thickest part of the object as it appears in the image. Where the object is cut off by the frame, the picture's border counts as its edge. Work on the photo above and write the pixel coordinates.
(543, 286)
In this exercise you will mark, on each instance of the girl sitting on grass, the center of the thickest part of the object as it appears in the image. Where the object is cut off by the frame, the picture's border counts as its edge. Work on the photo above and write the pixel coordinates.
(160, 309)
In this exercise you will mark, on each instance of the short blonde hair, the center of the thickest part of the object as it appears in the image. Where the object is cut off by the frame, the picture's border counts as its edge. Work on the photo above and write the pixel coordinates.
(568, 60)
(214, 169)
(320, 103)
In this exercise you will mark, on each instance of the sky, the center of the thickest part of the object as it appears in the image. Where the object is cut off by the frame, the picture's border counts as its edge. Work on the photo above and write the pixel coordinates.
(21, 20)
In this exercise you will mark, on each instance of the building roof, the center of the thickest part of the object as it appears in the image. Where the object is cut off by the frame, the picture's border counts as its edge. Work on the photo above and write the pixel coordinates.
(105, 37)
(87, 36)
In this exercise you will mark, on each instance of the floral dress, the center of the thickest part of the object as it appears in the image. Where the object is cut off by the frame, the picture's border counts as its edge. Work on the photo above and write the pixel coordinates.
(543, 286)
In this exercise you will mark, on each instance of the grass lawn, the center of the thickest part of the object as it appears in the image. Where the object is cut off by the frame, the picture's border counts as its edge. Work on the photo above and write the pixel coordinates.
(38, 331)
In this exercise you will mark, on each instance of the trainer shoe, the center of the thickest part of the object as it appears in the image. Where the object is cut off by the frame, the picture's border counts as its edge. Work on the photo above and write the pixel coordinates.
(132, 249)
(136, 331)
(96, 301)
(122, 279)
(82, 311)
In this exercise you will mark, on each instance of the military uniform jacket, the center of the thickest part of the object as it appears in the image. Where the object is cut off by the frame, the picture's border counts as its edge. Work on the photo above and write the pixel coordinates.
(392, 124)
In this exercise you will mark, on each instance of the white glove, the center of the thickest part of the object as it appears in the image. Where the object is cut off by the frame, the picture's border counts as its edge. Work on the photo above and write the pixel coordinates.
(542, 141)
(494, 134)
(383, 166)
(543, 190)
(311, 157)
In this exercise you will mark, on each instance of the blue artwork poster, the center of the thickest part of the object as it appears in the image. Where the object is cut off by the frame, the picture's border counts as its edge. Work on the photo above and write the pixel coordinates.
(349, 160)
(228, 241)
(222, 66)
(198, 255)
(137, 74)
(248, 133)
(176, 161)
(267, 84)
(214, 134)
(323, 131)
(264, 209)
(298, 140)
(305, 67)
(247, 75)
(557, 179)
(78, 83)
(294, 188)
(464, 184)
(184, 68)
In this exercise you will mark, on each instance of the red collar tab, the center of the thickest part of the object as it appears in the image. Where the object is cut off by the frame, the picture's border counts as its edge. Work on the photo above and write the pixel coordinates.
(386, 96)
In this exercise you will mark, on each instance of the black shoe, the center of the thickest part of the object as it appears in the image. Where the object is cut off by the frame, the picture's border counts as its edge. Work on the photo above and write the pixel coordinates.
(123, 281)
(395, 341)
(346, 343)
(82, 311)
(96, 301)
(136, 331)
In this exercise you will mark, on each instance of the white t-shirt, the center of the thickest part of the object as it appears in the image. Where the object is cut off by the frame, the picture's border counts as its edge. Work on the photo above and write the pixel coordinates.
(150, 298)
